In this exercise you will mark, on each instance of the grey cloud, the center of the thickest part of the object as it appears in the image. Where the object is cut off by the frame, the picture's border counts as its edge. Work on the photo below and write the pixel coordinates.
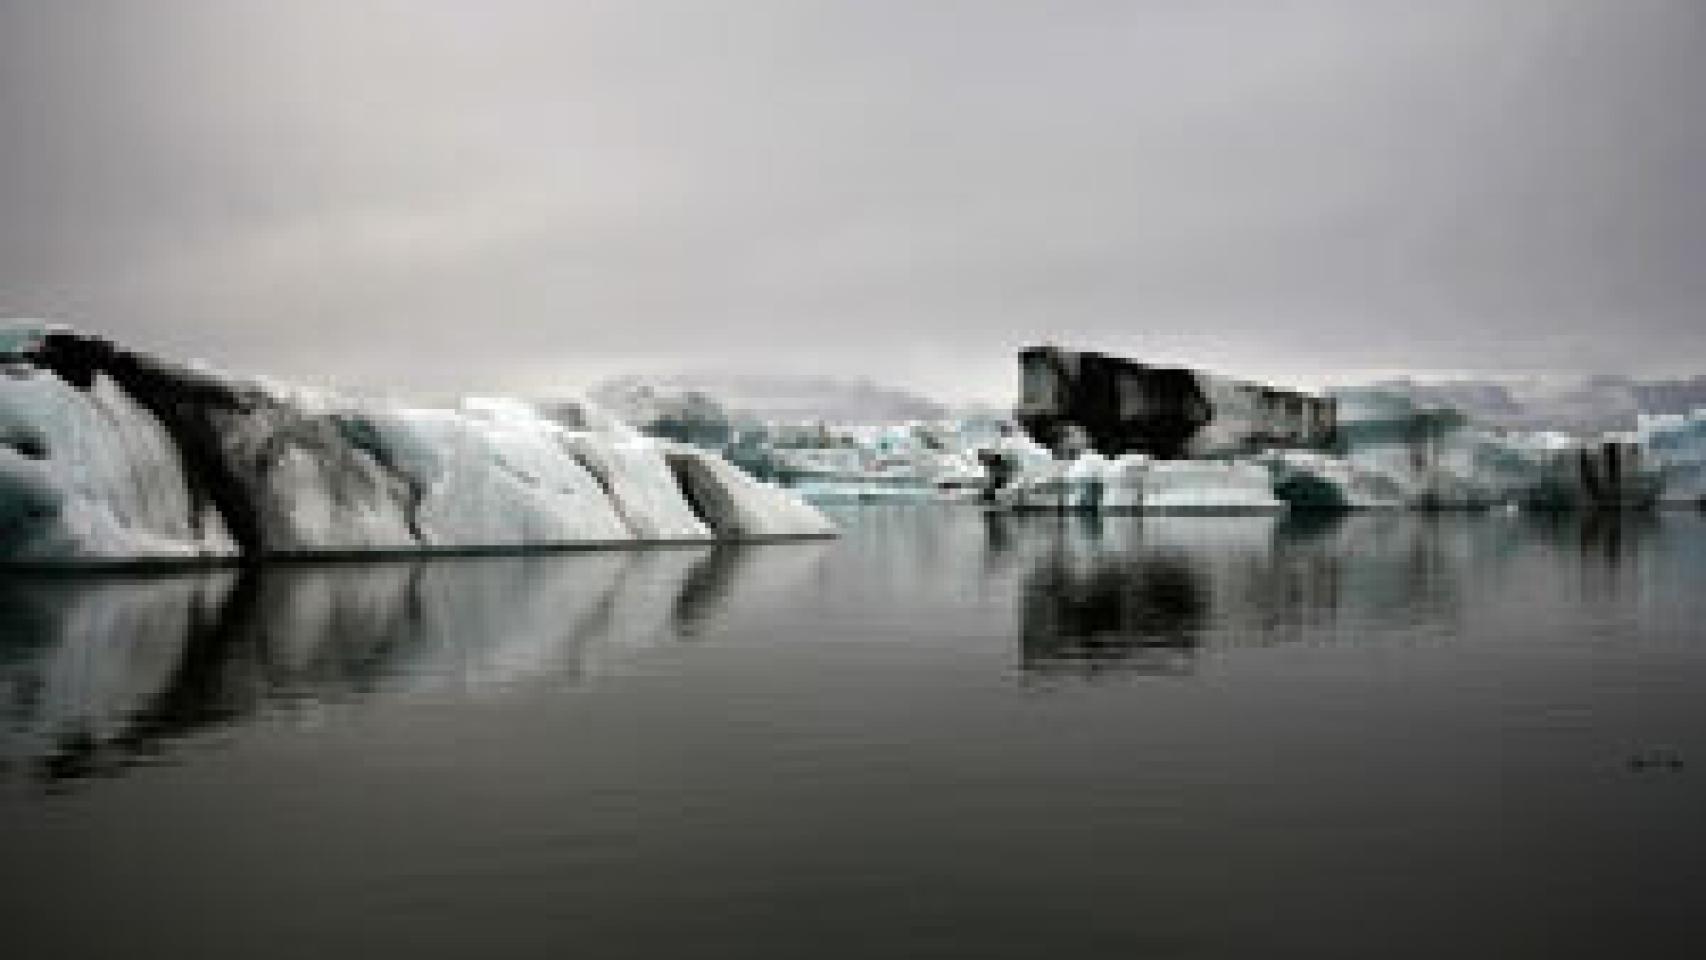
(435, 196)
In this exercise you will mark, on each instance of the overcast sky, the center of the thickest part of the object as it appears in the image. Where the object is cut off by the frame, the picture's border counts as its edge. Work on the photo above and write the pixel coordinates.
(528, 196)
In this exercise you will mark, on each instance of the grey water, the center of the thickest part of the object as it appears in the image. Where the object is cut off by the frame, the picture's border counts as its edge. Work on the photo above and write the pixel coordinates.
(948, 734)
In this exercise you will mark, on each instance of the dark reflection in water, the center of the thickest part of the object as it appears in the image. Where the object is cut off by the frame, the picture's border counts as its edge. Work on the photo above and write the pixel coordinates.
(949, 733)
(1612, 545)
(89, 667)
(98, 673)
(1139, 595)
(1088, 606)
(1143, 595)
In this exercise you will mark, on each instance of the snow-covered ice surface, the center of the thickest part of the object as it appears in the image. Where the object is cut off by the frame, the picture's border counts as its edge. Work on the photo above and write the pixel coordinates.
(109, 455)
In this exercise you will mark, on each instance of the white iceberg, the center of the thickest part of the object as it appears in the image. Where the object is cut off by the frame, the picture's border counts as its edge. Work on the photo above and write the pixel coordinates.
(1677, 444)
(89, 473)
(108, 455)
(1136, 483)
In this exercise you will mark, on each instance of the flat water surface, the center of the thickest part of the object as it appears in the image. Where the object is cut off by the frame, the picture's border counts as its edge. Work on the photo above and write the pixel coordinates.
(948, 734)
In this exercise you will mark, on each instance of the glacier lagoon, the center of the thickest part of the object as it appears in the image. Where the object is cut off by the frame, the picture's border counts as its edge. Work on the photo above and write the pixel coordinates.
(949, 732)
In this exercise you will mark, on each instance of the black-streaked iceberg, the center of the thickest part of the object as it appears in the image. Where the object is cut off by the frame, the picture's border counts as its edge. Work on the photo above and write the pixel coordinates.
(111, 455)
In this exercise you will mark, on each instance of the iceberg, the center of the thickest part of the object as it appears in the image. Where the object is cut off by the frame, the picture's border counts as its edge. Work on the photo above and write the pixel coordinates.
(1387, 452)
(641, 485)
(107, 455)
(1221, 444)
(1138, 483)
(1399, 454)
(1677, 444)
(90, 473)
(1190, 486)
(731, 501)
(1080, 484)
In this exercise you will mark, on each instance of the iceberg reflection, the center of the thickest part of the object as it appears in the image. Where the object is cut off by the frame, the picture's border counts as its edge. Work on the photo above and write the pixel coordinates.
(100, 673)
(1091, 603)
(1151, 594)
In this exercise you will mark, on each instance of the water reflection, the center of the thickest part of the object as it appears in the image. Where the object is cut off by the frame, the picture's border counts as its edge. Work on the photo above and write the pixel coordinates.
(98, 674)
(1092, 601)
(1151, 594)
(82, 666)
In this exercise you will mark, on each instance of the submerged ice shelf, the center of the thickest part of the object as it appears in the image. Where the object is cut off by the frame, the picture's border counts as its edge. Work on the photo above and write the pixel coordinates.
(111, 455)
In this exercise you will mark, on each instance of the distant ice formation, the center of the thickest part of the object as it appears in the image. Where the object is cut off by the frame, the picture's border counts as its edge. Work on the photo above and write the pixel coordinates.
(1137, 483)
(110, 455)
(1677, 443)
(1383, 451)
(1072, 400)
(1394, 452)
(1585, 406)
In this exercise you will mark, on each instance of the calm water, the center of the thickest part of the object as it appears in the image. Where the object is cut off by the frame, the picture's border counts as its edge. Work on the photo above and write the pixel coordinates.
(947, 734)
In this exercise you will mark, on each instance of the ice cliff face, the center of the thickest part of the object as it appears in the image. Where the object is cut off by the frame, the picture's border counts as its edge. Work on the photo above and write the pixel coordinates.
(106, 454)
(89, 472)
